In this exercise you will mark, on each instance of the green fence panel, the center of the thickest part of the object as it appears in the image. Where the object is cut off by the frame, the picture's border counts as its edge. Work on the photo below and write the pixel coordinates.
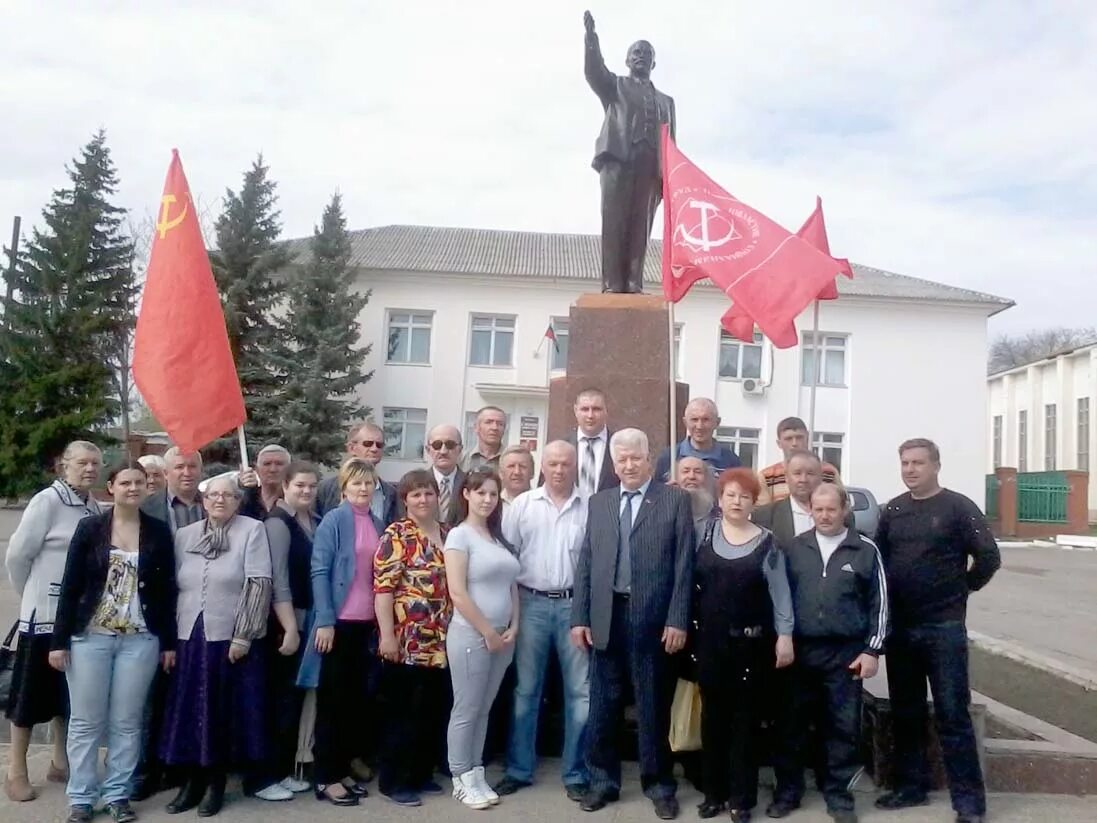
(991, 506)
(1042, 497)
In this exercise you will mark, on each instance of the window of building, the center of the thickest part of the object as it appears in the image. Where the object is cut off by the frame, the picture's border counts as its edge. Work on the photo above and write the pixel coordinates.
(492, 340)
(828, 445)
(827, 357)
(560, 350)
(739, 360)
(1022, 440)
(744, 442)
(405, 432)
(1051, 425)
(997, 440)
(1083, 434)
(409, 337)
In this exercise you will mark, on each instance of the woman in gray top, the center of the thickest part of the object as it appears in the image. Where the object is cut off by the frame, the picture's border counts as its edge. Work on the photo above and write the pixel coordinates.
(481, 571)
(215, 715)
(36, 564)
(742, 599)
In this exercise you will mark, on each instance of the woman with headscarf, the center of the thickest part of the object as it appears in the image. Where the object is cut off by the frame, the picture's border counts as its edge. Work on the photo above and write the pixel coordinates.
(115, 624)
(36, 563)
(215, 717)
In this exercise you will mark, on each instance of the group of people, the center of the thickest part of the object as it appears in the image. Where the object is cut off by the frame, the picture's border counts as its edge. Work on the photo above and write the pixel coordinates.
(284, 625)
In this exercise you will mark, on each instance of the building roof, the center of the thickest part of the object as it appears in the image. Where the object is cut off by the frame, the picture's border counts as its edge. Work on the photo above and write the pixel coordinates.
(578, 257)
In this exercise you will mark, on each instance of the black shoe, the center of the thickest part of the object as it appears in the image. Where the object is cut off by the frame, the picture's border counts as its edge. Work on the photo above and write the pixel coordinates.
(189, 796)
(575, 791)
(843, 815)
(349, 799)
(781, 808)
(710, 808)
(666, 808)
(146, 784)
(215, 797)
(969, 818)
(121, 811)
(508, 785)
(80, 813)
(739, 815)
(357, 788)
(594, 801)
(404, 798)
(431, 787)
(901, 800)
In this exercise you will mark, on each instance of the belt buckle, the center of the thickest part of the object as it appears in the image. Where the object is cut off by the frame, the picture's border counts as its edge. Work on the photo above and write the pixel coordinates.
(752, 632)
(555, 595)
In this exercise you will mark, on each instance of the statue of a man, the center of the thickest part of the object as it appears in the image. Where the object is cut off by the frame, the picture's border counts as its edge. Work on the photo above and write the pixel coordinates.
(626, 157)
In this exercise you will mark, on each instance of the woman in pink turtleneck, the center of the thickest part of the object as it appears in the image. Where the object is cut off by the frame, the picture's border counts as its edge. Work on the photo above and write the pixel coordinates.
(344, 635)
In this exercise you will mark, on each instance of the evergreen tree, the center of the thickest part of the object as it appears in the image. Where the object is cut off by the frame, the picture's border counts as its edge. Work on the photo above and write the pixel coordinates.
(71, 301)
(322, 359)
(246, 263)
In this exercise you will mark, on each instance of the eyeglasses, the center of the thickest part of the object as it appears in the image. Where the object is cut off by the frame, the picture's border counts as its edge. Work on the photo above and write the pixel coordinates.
(449, 445)
(369, 444)
(220, 495)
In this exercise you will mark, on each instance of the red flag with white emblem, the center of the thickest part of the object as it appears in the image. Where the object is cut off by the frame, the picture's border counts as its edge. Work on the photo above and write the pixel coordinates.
(767, 271)
(182, 362)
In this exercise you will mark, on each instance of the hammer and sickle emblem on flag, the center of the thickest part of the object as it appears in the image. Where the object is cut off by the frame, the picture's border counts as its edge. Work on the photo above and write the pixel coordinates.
(164, 225)
(710, 218)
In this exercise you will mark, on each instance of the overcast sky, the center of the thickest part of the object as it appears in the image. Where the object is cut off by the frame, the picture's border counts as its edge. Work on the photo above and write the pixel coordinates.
(947, 143)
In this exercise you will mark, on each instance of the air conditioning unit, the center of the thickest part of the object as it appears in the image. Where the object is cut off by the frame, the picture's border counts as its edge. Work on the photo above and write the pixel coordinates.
(753, 386)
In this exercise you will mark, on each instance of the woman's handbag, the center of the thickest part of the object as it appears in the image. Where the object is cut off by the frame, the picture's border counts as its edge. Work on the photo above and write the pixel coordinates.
(7, 663)
(685, 717)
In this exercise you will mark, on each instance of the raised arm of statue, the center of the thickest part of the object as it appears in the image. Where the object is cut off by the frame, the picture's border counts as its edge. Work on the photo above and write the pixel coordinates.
(601, 79)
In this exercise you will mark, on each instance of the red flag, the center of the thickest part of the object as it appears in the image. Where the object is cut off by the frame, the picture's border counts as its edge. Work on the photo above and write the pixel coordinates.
(768, 272)
(550, 334)
(182, 362)
(814, 230)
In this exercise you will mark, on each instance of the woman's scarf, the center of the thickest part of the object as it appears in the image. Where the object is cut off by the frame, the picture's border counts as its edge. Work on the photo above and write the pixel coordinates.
(214, 540)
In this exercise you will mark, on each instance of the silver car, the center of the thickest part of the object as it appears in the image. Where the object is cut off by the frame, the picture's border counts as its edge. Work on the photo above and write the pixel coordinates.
(866, 511)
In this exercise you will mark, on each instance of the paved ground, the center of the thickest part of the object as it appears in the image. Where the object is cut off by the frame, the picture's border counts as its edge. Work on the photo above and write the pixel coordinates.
(544, 802)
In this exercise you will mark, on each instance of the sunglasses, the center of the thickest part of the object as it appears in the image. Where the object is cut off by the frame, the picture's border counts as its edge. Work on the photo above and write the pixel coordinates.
(449, 445)
(372, 444)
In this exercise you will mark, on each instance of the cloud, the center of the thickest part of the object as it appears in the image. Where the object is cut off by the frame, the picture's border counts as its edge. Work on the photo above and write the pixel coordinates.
(948, 141)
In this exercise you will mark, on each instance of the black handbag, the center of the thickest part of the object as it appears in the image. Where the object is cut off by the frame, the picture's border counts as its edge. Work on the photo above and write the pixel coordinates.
(7, 663)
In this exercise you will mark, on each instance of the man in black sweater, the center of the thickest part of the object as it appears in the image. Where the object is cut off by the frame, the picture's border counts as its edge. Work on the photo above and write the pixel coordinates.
(839, 598)
(926, 537)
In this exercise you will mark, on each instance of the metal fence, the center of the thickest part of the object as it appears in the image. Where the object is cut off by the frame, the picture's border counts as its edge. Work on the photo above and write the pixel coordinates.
(1042, 497)
(991, 506)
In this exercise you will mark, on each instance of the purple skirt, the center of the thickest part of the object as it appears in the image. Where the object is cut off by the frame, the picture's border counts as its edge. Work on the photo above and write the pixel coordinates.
(215, 709)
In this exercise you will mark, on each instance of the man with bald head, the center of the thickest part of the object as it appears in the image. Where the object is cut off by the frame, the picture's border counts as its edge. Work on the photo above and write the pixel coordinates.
(702, 419)
(545, 526)
(443, 448)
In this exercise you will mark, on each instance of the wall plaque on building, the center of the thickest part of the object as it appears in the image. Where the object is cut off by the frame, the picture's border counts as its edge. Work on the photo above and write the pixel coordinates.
(529, 428)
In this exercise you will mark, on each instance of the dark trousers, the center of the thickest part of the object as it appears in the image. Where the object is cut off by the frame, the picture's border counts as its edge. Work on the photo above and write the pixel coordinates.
(284, 700)
(345, 697)
(825, 693)
(416, 703)
(937, 652)
(643, 663)
(730, 673)
(630, 195)
(495, 747)
(150, 767)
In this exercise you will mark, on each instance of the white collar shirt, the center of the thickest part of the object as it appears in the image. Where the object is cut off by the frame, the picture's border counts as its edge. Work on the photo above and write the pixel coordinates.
(546, 539)
(600, 445)
(802, 521)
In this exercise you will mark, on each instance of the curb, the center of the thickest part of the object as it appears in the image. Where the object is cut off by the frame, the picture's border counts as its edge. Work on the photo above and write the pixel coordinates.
(1080, 677)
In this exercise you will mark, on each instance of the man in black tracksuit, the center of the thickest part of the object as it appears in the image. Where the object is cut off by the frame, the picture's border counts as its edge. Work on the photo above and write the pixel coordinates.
(839, 597)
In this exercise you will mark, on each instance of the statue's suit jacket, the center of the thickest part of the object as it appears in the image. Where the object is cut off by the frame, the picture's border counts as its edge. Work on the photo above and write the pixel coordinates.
(661, 554)
(624, 100)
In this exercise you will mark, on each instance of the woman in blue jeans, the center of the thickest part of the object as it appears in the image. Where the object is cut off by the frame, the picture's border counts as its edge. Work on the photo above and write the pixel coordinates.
(115, 623)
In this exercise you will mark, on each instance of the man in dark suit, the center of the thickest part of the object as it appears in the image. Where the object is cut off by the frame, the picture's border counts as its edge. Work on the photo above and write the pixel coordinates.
(791, 516)
(591, 440)
(367, 441)
(626, 157)
(631, 607)
(443, 449)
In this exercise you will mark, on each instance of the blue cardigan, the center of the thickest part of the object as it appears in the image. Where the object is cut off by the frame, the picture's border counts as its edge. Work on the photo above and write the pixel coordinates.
(334, 564)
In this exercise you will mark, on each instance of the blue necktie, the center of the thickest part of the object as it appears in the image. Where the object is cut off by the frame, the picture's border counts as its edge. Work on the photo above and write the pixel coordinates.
(622, 578)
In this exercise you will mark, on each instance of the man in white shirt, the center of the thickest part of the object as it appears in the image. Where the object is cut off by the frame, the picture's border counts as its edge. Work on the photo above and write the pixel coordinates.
(516, 472)
(443, 449)
(591, 441)
(546, 526)
(791, 516)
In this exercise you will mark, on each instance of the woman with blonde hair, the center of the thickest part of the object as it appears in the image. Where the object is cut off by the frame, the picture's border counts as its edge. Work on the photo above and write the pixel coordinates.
(36, 564)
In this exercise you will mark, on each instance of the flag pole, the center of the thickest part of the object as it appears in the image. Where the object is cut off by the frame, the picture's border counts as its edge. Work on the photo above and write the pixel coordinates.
(814, 375)
(243, 448)
(673, 395)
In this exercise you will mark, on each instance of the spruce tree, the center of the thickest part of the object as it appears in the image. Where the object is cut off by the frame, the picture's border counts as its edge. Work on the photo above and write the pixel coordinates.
(323, 359)
(245, 266)
(71, 301)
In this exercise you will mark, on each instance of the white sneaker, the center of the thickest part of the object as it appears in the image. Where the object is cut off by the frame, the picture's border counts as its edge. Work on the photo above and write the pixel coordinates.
(468, 792)
(294, 785)
(485, 788)
(275, 791)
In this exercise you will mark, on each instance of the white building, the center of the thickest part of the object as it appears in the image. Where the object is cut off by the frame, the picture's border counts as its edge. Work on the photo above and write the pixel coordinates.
(1040, 416)
(458, 319)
